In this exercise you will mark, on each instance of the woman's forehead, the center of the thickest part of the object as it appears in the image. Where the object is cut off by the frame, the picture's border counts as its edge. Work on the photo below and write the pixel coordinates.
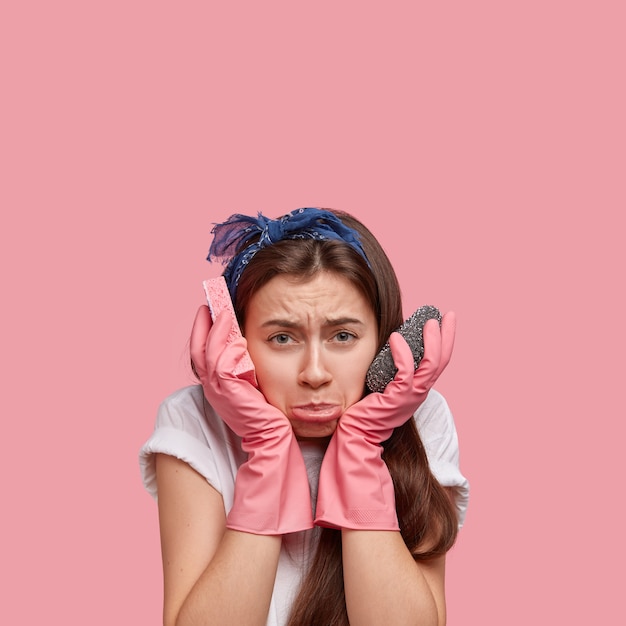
(327, 295)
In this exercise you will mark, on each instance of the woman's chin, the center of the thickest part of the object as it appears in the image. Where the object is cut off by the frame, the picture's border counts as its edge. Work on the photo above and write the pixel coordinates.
(308, 430)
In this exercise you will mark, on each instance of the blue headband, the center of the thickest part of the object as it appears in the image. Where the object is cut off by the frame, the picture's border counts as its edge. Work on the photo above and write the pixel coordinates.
(230, 237)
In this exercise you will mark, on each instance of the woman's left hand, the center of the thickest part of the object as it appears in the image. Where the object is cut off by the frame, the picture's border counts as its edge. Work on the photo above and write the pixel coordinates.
(355, 488)
(377, 414)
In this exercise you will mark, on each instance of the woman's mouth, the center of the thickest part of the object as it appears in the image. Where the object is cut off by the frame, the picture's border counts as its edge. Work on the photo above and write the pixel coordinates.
(316, 413)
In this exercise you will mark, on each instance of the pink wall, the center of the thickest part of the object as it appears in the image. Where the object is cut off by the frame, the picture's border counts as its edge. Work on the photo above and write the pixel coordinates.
(483, 142)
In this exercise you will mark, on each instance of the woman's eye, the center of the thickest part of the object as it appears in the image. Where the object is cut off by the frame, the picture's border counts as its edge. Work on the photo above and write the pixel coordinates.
(281, 339)
(344, 336)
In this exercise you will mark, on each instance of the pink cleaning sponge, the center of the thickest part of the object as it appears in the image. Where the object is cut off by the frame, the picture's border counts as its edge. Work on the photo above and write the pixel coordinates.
(218, 299)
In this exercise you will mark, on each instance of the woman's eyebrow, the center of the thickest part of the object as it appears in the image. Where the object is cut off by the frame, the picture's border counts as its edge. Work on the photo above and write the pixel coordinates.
(335, 321)
(342, 321)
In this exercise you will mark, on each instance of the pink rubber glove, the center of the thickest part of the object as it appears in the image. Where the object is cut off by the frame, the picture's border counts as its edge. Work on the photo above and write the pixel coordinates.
(355, 487)
(272, 495)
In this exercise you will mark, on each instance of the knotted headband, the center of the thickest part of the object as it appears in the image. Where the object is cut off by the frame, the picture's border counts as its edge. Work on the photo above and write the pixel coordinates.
(230, 237)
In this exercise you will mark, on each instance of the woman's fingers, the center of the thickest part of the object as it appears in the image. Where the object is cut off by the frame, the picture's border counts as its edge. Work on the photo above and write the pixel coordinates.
(225, 348)
(438, 345)
(402, 358)
(448, 332)
(198, 341)
(429, 365)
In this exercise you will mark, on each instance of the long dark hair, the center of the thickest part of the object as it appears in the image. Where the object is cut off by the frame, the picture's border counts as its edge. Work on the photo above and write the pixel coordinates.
(427, 518)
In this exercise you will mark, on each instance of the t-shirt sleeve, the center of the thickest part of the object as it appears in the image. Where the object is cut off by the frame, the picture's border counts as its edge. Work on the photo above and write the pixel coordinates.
(178, 432)
(438, 433)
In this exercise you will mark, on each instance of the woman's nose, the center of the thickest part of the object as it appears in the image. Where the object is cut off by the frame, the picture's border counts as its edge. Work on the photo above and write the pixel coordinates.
(314, 371)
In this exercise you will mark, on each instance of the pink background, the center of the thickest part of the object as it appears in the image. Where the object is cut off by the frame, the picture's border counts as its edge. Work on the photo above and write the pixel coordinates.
(483, 142)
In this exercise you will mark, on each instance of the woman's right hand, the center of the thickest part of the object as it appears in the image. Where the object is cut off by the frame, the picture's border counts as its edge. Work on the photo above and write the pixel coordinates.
(272, 493)
(237, 402)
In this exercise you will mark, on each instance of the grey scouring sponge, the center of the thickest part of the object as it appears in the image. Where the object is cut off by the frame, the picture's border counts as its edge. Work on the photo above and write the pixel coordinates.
(383, 369)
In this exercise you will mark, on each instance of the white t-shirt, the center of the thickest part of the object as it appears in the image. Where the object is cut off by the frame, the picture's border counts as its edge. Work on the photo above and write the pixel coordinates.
(188, 428)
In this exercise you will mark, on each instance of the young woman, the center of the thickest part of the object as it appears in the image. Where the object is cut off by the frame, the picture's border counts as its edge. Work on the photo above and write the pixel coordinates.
(306, 500)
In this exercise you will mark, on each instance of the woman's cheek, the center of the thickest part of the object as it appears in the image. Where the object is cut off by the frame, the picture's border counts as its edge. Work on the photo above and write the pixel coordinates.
(274, 376)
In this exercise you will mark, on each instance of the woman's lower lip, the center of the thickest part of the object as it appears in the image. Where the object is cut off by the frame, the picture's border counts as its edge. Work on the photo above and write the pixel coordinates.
(317, 413)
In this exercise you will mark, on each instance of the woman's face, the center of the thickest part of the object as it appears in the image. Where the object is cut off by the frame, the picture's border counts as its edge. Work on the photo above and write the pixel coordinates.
(311, 343)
